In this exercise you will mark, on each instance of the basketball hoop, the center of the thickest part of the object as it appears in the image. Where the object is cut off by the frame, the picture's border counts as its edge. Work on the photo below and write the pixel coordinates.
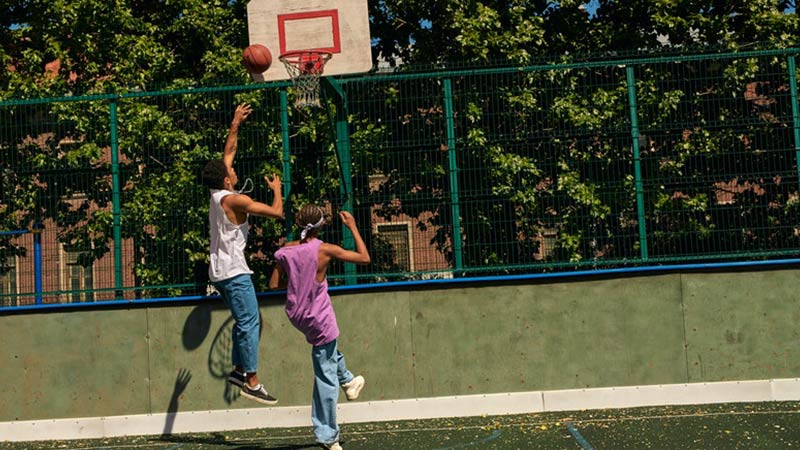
(305, 69)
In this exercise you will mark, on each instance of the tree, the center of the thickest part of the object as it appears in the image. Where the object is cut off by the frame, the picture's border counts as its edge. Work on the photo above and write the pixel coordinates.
(574, 180)
(538, 152)
(56, 156)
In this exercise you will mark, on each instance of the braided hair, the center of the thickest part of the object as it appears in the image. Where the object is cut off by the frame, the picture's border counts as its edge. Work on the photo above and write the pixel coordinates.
(311, 218)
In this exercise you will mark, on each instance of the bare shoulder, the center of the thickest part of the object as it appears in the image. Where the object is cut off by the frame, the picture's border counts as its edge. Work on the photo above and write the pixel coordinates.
(239, 198)
(329, 249)
(235, 200)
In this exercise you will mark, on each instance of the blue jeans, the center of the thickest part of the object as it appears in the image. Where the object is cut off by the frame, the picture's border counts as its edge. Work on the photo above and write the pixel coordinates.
(240, 296)
(330, 372)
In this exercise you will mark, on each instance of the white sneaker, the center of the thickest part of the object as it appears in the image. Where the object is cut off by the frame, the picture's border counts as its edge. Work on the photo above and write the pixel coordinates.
(353, 388)
(334, 446)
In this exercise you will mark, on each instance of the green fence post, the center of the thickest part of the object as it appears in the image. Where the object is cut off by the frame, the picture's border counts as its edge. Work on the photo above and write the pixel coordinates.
(115, 200)
(342, 127)
(637, 165)
(287, 165)
(453, 171)
(795, 110)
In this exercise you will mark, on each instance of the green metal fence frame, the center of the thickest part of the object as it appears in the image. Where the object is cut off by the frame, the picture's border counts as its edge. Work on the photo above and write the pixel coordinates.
(336, 90)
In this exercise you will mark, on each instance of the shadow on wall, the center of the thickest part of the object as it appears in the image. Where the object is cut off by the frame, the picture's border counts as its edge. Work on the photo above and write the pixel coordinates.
(197, 326)
(182, 380)
(196, 330)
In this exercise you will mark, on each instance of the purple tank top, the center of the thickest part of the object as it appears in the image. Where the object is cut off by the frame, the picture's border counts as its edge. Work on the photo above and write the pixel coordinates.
(308, 305)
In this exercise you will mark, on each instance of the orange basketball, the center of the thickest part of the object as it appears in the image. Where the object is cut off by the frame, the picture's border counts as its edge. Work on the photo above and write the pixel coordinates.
(256, 58)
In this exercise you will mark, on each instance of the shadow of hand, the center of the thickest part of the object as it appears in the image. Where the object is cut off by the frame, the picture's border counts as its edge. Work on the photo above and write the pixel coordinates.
(184, 376)
(181, 381)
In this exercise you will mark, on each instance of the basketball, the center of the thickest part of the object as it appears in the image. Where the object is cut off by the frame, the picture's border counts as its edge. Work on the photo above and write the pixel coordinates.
(256, 58)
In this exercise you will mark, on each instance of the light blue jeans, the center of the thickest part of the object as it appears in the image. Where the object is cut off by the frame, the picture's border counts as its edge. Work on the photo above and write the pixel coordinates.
(240, 296)
(330, 372)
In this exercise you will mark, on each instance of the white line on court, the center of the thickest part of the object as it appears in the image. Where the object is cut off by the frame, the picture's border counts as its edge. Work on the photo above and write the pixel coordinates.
(406, 409)
(353, 435)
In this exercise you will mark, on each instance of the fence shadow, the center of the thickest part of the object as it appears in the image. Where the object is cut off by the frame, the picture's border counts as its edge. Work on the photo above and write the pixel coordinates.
(219, 356)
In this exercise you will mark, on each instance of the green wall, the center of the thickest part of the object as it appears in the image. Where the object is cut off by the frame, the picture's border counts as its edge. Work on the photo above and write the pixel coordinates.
(466, 339)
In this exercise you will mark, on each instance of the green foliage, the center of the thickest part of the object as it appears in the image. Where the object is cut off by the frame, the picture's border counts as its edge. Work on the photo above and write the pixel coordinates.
(57, 48)
(142, 45)
(535, 153)
(574, 177)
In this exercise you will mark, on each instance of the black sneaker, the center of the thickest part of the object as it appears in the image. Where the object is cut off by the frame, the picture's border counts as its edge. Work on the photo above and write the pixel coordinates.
(236, 378)
(258, 394)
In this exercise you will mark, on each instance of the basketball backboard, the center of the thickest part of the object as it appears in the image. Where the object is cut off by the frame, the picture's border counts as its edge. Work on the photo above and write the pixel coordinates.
(340, 27)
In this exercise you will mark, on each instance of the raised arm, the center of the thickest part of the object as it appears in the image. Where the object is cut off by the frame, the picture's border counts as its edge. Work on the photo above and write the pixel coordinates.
(242, 204)
(360, 255)
(276, 209)
(231, 144)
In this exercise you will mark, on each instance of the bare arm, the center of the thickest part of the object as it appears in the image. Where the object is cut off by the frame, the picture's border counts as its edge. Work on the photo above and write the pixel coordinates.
(242, 204)
(276, 209)
(231, 144)
(277, 280)
(360, 255)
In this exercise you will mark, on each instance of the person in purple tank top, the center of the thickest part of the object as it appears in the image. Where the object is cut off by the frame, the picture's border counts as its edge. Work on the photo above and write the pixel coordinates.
(301, 269)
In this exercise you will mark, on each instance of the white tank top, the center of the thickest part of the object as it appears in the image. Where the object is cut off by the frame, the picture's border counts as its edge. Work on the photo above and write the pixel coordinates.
(228, 241)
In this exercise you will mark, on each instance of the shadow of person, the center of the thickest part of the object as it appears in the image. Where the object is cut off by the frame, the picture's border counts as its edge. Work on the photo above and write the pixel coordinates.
(219, 439)
(181, 381)
(267, 446)
(215, 439)
(220, 356)
(282, 447)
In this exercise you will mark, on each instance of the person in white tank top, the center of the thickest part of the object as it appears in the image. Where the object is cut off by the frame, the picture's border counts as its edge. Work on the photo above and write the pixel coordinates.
(228, 212)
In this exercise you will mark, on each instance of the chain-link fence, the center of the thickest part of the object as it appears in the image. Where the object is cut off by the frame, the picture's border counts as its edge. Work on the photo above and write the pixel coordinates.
(495, 171)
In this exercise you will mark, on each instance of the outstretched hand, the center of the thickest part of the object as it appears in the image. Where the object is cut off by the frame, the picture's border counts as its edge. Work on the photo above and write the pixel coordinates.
(242, 111)
(348, 219)
(274, 182)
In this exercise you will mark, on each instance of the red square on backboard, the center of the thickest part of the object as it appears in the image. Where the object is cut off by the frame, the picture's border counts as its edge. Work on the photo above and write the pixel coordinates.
(333, 14)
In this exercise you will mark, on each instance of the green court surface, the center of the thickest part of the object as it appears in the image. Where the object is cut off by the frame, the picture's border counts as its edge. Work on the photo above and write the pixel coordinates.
(774, 425)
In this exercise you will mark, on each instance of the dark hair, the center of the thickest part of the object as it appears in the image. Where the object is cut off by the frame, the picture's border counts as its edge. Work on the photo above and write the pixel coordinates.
(214, 174)
(308, 214)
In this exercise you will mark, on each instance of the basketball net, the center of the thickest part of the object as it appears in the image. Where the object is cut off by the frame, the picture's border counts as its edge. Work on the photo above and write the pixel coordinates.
(305, 69)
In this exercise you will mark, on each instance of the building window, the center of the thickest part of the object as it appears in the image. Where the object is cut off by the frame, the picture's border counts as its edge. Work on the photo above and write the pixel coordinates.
(8, 278)
(396, 239)
(77, 274)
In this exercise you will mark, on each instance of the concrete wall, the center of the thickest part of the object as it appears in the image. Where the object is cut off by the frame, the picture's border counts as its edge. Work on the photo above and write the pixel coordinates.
(466, 339)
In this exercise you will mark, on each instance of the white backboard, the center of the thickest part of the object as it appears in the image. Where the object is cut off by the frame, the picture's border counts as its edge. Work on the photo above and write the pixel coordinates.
(340, 27)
